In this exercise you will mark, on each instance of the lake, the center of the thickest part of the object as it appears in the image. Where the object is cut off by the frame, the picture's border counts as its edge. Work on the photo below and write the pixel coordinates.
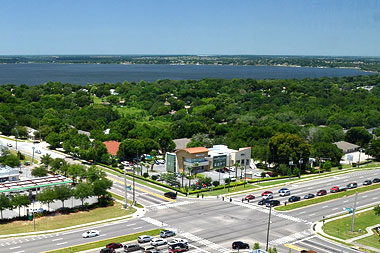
(33, 74)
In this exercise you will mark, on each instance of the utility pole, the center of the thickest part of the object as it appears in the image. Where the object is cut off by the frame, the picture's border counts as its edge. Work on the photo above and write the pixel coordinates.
(33, 155)
(134, 198)
(353, 213)
(16, 134)
(125, 189)
(270, 213)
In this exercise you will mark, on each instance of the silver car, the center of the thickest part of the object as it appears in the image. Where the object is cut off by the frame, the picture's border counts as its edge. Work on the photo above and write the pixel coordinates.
(144, 238)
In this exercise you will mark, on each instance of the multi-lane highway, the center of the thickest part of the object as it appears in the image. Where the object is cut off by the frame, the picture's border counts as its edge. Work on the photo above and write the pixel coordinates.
(211, 225)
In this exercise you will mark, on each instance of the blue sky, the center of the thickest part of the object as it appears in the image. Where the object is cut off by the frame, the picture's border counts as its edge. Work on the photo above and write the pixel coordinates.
(262, 27)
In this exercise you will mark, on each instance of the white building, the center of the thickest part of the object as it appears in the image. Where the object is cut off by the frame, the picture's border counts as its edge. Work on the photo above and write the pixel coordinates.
(9, 174)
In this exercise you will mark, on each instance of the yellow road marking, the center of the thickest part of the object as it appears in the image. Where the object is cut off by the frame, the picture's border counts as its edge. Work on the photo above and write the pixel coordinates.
(143, 190)
(294, 247)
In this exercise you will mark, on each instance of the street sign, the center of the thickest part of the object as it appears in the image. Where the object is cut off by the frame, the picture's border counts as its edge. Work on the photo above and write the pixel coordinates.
(128, 187)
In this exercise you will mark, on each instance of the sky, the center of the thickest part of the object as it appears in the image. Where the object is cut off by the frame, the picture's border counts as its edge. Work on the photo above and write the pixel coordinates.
(206, 27)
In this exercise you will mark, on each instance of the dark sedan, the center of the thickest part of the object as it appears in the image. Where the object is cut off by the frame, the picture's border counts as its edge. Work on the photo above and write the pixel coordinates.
(367, 182)
(240, 245)
(272, 203)
(309, 196)
(294, 199)
(376, 180)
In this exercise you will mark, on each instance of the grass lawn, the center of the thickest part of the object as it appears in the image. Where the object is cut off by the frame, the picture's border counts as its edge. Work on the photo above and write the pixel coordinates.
(122, 199)
(62, 221)
(27, 158)
(102, 243)
(269, 183)
(372, 241)
(327, 197)
(341, 228)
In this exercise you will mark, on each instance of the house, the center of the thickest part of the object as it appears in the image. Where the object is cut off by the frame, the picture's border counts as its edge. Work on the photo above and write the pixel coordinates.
(112, 147)
(84, 133)
(347, 147)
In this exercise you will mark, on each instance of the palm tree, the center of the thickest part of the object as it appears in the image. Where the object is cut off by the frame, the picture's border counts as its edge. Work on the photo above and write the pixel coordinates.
(236, 165)
(195, 165)
(183, 174)
(46, 160)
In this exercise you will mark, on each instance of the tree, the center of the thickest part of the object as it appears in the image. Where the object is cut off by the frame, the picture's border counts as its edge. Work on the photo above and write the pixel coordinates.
(46, 160)
(358, 135)
(195, 165)
(375, 148)
(296, 172)
(101, 186)
(54, 140)
(327, 166)
(170, 179)
(20, 200)
(39, 171)
(62, 193)
(94, 173)
(47, 196)
(12, 161)
(377, 210)
(83, 191)
(57, 163)
(75, 171)
(256, 245)
(327, 150)
(284, 146)
(129, 148)
(5, 203)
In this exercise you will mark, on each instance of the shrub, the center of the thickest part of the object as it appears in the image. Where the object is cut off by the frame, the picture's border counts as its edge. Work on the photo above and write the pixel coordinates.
(146, 174)
(353, 164)
(215, 183)
(154, 177)
(340, 167)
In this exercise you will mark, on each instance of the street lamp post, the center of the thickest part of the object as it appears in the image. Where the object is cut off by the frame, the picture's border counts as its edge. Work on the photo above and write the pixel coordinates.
(353, 213)
(290, 165)
(270, 213)
(360, 151)
(300, 162)
(33, 155)
(134, 196)
(125, 188)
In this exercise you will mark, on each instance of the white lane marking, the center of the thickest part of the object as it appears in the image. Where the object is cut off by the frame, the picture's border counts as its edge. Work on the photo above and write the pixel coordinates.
(336, 208)
(131, 224)
(312, 214)
(310, 188)
(15, 247)
(20, 251)
(345, 201)
(374, 198)
(291, 238)
(137, 228)
(324, 206)
(302, 212)
(58, 239)
(365, 196)
(198, 249)
(61, 243)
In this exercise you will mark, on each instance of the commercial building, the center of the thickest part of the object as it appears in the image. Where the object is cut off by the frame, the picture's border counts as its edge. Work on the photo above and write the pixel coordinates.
(200, 159)
(9, 174)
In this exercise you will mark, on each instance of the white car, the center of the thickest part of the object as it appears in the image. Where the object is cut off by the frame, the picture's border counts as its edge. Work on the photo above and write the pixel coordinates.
(90, 233)
(9, 144)
(177, 240)
(38, 151)
(284, 192)
(158, 242)
(37, 210)
(268, 196)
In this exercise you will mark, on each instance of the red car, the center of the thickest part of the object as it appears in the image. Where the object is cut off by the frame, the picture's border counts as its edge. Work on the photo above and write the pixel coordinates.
(114, 245)
(266, 193)
(249, 197)
(321, 192)
(334, 189)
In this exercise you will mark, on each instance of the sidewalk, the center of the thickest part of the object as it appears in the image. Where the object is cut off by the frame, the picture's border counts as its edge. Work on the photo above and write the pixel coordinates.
(139, 213)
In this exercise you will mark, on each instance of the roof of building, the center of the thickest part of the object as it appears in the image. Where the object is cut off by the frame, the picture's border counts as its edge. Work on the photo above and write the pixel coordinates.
(34, 183)
(345, 146)
(84, 132)
(196, 150)
(181, 143)
(112, 146)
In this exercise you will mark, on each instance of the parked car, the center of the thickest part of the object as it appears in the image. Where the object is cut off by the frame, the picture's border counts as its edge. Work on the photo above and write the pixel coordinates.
(37, 210)
(309, 196)
(334, 189)
(170, 195)
(177, 240)
(90, 233)
(272, 202)
(294, 199)
(376, 180)
(352, 185)
(107, 250)
(132, 247)
(284, 192)
(240, 245)
(266, 193)
(152, 250)
(178, 247)
(342, 189)
(144, 238)
(158, 242)
(249, 197)
(114, 245)
(38, 151)
(167, 233)
(367, 182)
(321, 192)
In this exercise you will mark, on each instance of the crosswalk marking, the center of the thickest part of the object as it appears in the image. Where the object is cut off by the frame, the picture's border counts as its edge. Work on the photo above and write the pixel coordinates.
(189, 236)
(168, 205)
(291, 238)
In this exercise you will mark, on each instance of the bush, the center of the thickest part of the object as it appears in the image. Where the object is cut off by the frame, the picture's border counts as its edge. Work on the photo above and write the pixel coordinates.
(353, 164)
(340, 167)
(154, 177)
(215, 183)
(146, 174)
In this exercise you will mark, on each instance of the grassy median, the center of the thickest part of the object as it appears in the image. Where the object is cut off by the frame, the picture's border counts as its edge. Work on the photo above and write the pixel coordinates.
(65, 220)
(327, 197)
(340, 228)
(103, 243)
(372, 241)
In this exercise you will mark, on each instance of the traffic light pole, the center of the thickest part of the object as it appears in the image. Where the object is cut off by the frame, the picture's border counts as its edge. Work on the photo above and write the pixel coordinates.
(353, 213)
(270, 213)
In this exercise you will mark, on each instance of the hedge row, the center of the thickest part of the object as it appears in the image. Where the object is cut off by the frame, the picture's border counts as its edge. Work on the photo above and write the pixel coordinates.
(181, 190)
